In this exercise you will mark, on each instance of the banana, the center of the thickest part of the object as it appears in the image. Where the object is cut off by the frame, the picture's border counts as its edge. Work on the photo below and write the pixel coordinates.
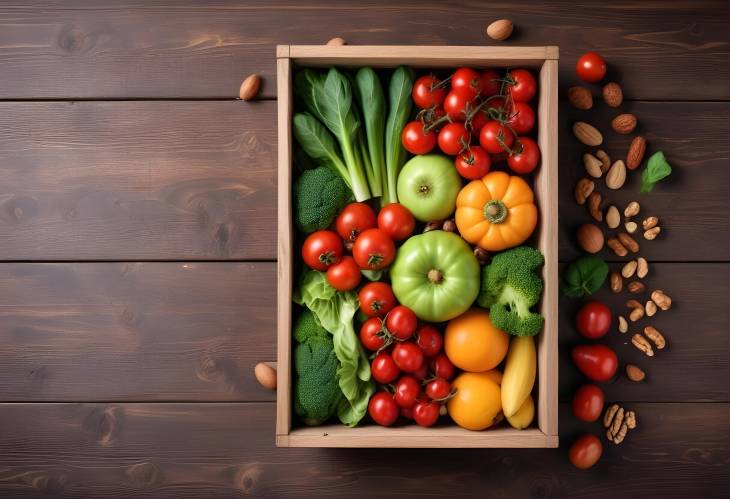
(522, 418)
(519, 374)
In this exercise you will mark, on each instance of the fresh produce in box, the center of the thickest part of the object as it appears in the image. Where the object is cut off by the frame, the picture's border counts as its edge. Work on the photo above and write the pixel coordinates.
(436, 334)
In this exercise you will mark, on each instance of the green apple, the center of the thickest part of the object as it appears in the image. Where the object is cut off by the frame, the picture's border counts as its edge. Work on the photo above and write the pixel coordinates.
(428, 186)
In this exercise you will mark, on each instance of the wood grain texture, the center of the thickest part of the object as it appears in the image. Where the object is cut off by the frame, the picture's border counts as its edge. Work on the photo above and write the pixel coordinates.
(226, 450)
(147, 49)
(137, 180)
(135, 331)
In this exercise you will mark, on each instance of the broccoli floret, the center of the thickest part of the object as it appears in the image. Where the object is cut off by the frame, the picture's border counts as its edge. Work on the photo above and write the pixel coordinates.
(319, 196)
(316, 390)
(306, 327)
(510, 287)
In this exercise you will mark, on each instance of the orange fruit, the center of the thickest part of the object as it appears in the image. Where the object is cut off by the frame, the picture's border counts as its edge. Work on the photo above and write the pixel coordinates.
(473, 343)
(477, 401)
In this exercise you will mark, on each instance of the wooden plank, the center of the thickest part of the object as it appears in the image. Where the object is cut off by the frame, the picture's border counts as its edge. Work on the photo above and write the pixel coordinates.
(135, 331)
(226, 450)
(690, 203)
(137, 180)
(148, 49)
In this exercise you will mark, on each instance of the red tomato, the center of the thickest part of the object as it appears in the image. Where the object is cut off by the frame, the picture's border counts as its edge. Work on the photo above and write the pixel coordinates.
(522, 118)
(371, 334)
(473, 163)
(495, 137)
(593, 320)
(406, 391)
(467, 79)
(425, 92)
(384, 369)
(416, 139)
(401, 322)
(383, 409)
(477, 122)
(586, 451)
(591, 67)
(344, 275)
(322, 249)
(426, 413)
(454, 138)
(597, 362)
(408, 357)
(376, 299)
(497, 103)
(422, 373)
(588, 403)
(438, 389)
(397, 221)
(491, 83)
(353, 219)
(523, 86)
(429, 339)
(373, 249)
(442, 366)
(407, 412)
(525, 157)
(458, 104)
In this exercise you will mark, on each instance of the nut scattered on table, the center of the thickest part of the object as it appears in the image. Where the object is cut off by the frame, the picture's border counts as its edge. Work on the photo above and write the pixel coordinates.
(605, 160)
(636, 287)
(637, 310)
(632, 209)
(583, 189)
(587, 134)
(616, 176)
(250, 87)
(642, 344)
(634, 373)
(613, 96)
(655, 336)
(265, 375)
(642, 268)
(500, 30)
(592, 165)
(338, 40)
(635, 155)
(662, 300)
(629, 268)
(616, 282)
(618, 423)
(624, 123)
(628, 242)
(616, 246)
(594, 206)
(631, 227)
(590, 238)
(652, 233)
(650, 308)
(650, 223)
(580, 98)
(613, 217)
(623, 326)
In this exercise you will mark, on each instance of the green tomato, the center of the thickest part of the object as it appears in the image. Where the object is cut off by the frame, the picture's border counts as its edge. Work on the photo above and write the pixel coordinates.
(428, 186)
(436, 275)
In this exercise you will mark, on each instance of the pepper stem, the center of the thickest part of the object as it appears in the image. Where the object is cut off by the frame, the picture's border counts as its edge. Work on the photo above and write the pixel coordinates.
(495, 211)
(435, 276)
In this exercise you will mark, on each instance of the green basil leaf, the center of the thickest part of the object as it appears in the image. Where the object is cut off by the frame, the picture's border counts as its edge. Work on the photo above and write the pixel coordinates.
(657, 168)
(584, 276)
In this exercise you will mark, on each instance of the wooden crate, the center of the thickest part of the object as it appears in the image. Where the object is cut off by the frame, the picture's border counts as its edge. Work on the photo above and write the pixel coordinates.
(543, 60)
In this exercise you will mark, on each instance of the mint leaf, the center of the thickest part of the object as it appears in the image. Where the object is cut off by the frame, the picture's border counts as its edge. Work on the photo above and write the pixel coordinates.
(656, 169)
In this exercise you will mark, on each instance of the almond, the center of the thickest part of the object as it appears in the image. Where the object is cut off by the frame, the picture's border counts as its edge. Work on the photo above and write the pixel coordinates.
(613, 217)
(636, 153)
(580, 97)
(249, 87)
(590, 238)
(338, 40)
(612, 94)
(624, 123)
(501, 29)
(616, 176)
(265, 375)
(587, 134)
(634, 373)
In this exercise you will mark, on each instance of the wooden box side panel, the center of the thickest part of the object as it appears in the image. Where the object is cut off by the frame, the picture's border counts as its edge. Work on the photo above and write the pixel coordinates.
(546, 185)
(284, 250)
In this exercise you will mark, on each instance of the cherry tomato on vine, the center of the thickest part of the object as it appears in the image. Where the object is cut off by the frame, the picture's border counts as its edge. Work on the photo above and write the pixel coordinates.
(407, 390)
(322, 249)
(497, 104)
(383, 368)
(593, 320)
(453, 138)
(522, 118)
(373, 249)
(416, 139)
(477, 122)
(458, 103)
(407, 356)
(473, 163)
(438, 389)
(401, 322)
(591, 67)
(376, 299)
(588, 403)
(442, 366)
(525, 156)
(586, 451)
(491, 83)
(426, 413)
(383, 409)
(397, 221)
(467, 79)
(344, 275)
(426, 92)
(353, 219)
(407, 412)
(422, 373)
(523, 86)
(429, 339)
(371, 334)
(495, 137)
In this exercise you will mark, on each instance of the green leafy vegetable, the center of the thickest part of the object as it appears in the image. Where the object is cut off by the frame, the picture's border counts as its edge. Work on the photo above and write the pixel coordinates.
(335, 311)
(369, 94)
(399, 96)
(584, 276)
(318, 143)
(656, 169)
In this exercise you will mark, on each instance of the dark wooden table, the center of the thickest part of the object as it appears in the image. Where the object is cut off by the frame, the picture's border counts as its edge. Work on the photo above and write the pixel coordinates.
(138, 244)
